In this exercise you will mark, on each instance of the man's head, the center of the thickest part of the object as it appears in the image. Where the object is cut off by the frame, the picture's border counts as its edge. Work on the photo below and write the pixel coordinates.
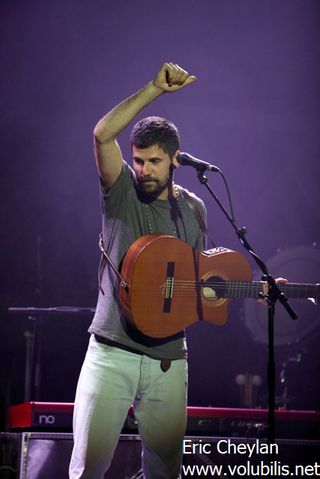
(155, 146)
(155, 130)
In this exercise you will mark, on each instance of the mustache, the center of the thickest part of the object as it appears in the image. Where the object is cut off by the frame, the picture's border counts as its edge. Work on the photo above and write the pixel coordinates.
(146, 179)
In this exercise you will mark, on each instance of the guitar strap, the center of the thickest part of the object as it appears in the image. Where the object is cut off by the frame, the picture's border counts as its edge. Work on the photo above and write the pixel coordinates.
(105, 258)
(197, 213)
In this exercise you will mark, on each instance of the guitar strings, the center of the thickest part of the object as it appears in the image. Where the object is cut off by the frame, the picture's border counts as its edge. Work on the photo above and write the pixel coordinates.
(247, 288)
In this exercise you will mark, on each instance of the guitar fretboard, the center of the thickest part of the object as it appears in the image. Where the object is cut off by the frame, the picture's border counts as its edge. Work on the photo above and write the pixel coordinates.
(252, 289)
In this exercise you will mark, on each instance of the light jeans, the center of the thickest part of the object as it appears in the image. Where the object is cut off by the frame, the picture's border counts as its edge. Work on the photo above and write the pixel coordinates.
(111, 379)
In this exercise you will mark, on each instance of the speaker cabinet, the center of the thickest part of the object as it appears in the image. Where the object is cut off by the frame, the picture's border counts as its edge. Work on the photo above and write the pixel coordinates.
(47, 456)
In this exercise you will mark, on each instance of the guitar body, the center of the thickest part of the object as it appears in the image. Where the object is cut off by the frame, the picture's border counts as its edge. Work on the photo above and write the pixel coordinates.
(166, 288)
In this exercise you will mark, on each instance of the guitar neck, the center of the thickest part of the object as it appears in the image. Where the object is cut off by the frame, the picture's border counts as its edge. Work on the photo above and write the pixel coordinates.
(252, 289)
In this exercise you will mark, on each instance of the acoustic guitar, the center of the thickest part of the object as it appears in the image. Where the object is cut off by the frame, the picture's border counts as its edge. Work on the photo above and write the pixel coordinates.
(167, 285)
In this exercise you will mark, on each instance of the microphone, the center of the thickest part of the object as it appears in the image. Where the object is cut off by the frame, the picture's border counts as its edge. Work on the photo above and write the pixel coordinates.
(189, 160)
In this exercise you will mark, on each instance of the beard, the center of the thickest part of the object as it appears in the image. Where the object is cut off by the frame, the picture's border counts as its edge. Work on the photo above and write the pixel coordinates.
(151, 188)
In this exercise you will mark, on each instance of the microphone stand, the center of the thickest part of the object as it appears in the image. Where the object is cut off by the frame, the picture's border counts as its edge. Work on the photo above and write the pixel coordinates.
(271, 297)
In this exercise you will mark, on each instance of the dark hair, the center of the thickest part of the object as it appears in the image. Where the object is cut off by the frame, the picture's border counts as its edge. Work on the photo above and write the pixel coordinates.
(155, 130)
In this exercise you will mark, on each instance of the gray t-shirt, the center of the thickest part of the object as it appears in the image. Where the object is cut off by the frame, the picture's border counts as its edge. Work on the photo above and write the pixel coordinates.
(125, 217)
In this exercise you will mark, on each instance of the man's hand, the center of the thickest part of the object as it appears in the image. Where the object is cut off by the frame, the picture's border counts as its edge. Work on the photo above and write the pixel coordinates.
(171, 78)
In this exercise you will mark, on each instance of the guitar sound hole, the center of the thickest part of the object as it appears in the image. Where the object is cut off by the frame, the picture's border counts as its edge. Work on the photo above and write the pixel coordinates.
(213, 288)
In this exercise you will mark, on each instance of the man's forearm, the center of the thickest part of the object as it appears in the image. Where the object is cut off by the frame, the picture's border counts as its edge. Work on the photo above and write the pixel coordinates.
(118, 118)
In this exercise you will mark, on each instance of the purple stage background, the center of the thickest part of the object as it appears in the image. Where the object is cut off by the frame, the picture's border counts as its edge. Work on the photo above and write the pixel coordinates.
(254, 112)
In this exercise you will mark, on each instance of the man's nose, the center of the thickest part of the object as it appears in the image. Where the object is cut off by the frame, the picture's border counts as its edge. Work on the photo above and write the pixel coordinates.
(146, 169)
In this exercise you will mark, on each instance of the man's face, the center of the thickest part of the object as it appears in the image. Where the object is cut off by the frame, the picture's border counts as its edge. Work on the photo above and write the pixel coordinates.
(153, 168)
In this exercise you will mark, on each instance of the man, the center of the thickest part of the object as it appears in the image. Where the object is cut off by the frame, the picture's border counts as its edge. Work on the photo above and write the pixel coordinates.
(122, 366)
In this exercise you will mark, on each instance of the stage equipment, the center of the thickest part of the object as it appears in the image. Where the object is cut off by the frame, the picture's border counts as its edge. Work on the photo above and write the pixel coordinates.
(33, 361)
(188, 160)
(273, 295)
(293, 263)
(44, 416)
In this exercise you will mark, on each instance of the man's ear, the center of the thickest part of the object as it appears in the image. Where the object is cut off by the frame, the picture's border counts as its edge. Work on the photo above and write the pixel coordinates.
(175, 162)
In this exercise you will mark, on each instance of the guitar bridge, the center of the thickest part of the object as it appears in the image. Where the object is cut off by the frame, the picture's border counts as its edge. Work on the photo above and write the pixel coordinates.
(168, 289)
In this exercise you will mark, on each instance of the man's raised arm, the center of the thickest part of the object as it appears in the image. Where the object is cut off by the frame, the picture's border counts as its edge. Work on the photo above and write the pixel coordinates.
(109, 159)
